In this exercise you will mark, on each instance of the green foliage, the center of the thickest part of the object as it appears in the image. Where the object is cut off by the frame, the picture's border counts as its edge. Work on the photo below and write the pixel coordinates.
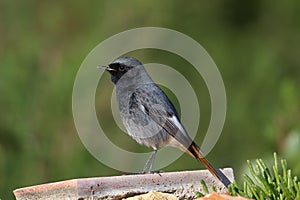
(265, 183)
(205, 189)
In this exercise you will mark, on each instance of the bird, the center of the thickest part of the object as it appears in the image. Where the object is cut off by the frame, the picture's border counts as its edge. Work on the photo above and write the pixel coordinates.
(149, 116)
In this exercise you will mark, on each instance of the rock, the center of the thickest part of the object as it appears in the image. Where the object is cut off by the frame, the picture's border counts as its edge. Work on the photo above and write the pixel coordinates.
(182, 184)
(216, 196)
(154, 196)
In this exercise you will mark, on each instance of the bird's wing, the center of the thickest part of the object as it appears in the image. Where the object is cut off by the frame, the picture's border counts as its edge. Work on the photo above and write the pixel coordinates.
(154, 103)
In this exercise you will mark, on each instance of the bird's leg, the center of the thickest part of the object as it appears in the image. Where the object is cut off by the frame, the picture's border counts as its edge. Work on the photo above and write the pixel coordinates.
(149, 163)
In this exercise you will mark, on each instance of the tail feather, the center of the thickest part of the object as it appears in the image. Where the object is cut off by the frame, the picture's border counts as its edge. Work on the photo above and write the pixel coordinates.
(196, 152)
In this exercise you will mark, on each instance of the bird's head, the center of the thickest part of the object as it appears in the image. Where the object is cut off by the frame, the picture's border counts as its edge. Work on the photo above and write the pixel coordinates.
(121, 66)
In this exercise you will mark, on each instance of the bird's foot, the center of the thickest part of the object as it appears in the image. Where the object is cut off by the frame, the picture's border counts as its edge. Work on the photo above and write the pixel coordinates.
(150, 172)
(153, 172)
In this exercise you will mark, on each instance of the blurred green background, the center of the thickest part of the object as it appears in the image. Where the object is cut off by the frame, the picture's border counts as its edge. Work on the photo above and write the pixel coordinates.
(255, 44)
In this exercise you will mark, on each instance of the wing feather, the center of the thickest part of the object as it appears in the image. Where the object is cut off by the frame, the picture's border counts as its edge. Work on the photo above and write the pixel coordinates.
(162, 111)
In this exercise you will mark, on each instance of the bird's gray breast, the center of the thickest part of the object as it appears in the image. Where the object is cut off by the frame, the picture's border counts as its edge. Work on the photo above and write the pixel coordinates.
(138, 124)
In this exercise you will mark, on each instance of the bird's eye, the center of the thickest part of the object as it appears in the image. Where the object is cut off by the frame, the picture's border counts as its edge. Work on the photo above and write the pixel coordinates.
(122, 67)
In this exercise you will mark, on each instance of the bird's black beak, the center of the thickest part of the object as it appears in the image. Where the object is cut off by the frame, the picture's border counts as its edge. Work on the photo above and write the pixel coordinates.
(107, 68)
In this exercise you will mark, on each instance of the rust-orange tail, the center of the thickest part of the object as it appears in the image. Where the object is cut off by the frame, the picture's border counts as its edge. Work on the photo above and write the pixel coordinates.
(196, 152)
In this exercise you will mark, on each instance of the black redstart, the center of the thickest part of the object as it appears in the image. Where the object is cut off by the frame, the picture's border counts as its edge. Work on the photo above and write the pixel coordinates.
(148, 115)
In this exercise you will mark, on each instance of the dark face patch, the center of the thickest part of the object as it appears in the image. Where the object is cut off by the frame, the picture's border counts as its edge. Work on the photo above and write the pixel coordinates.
(117, 70)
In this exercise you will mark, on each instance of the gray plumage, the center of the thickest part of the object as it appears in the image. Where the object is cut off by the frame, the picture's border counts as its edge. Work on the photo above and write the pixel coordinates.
(149, 116)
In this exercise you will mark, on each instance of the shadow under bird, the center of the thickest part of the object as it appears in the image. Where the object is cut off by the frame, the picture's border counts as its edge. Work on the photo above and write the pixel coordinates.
(149, 116)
